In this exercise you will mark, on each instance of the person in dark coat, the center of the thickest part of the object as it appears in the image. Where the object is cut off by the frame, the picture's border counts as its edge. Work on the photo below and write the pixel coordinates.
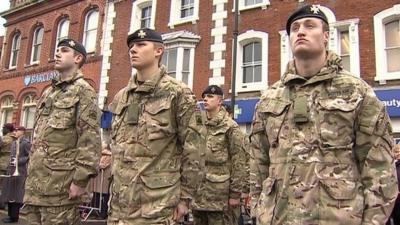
(14, 186)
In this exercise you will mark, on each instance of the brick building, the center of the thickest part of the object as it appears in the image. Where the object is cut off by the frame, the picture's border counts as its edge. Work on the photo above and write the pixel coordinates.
(199, 45)
(33, 29)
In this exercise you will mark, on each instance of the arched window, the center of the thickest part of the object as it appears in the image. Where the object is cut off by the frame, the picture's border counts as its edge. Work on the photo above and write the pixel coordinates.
(6, 109)
(28, 111)
(37, 44)
(90, 32)
(62, 30)
(15, 46)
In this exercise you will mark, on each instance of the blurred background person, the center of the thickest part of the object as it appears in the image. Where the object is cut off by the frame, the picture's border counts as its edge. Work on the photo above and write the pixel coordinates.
(14, 186)
(5, 150)
(395, 216)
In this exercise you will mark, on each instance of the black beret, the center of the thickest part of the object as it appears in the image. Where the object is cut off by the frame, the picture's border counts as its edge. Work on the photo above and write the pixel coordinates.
(144, 34)
(306, 11)
(213, 90)
(8, 126)
(73, 44)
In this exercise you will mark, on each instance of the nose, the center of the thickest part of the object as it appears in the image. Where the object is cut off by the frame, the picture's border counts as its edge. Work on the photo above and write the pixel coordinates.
(132, 50)
(301, 30)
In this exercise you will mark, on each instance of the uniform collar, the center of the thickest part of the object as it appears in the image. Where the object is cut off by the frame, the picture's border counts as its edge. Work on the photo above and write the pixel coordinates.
(56, 82)
(149, 85)
(332, 65)
(217, 118)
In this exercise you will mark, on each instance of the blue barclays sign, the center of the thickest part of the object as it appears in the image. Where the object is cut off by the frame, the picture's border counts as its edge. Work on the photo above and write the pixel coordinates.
(244, 109)
(40, 77)
(391, 99)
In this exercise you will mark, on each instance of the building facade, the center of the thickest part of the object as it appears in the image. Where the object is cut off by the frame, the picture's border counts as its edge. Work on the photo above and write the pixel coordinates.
(198, 37)
(199, 44)
(33, 30)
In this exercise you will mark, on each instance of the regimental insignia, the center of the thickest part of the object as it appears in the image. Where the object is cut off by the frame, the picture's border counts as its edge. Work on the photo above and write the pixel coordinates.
(315, 9)
(142, 34)
(213, 90)
(71, 43)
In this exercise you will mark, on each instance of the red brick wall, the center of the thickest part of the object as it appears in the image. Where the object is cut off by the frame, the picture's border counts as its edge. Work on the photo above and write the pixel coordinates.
(48, 15)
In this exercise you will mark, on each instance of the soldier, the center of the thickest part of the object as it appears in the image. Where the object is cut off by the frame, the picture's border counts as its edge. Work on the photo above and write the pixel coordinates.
(218, 198)
(66, 143)
(321, 140)
(5, 150)
(154, 140)
(14, 186)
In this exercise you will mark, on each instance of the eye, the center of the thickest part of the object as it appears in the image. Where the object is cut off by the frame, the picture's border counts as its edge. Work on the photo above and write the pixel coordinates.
(294, 27)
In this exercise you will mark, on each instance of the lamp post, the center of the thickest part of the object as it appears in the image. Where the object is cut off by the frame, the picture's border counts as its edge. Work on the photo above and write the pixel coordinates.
(235, 35)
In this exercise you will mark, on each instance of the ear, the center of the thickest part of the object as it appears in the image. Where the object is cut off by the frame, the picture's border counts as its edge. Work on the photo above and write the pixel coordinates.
(78, 59)
(159, 50)
(326, 37)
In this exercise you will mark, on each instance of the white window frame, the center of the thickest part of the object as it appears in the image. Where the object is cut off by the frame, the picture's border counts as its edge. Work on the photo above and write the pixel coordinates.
(6, 105)
(59, 27)
(16, 42)
(35, 43)
(136, 16)
(380, 20)
(175, 14)
(286, 52)
(86, 31)
(242, 7)
(243, 39)
(179, 61)
(29, 102)
(334, 41)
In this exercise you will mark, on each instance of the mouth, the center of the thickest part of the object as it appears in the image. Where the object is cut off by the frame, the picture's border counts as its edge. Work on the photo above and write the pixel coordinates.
(300, 40)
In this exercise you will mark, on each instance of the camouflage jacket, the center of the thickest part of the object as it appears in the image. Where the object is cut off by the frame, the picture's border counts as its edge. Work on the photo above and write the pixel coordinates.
(66, 142)
(322, 151)
(155, 148)
(5, 150)
(225, 164)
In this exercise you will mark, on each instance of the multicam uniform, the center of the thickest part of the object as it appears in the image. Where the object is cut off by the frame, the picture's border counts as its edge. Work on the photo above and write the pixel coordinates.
(225, 172)
(5, 151)
(66, 149)
(322, 151)
(155, 150)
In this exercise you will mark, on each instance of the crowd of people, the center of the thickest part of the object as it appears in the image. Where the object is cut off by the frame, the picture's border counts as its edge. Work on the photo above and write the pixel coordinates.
(320, 150)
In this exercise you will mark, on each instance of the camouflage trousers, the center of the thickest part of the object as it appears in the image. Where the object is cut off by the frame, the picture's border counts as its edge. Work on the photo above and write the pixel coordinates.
(142, 221)
(226, 217)
(53, 215)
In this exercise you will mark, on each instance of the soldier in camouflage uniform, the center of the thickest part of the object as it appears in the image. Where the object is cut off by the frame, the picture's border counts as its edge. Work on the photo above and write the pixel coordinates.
(66, 143)
(5, 151)
(217, 200)
(321, 140)
(154, 141)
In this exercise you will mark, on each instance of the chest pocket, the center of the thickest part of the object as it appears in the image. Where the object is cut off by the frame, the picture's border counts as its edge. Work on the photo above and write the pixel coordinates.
(159, 119)
(63, 113)
(336, 121)
(117, 126)
(217, 146)
(274, 112)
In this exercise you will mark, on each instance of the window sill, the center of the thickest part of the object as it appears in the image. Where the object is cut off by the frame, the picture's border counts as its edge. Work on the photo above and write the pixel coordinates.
(388, 76)
(31, 65)
(10, 69)
(192, 20)
(262, 5)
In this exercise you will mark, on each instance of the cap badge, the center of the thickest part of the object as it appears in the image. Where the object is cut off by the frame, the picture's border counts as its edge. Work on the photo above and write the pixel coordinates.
(315, 9)
(213, 89)
(142, 34)
(71, 43)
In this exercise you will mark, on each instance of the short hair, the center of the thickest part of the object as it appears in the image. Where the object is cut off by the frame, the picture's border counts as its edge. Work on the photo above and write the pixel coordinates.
(325, 26)
(159, 45)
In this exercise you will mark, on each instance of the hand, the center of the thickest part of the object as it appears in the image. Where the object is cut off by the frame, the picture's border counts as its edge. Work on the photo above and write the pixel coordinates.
(13, 161)
(180, 211)
(233, 203)
(75, 191)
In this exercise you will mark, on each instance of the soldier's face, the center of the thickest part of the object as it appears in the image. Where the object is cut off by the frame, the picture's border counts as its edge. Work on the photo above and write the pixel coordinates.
(212, 102)
(144, 54)
(66, 59)
(307, 38)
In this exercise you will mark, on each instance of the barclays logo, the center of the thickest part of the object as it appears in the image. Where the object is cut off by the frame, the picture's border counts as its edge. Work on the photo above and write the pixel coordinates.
(40, 77)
